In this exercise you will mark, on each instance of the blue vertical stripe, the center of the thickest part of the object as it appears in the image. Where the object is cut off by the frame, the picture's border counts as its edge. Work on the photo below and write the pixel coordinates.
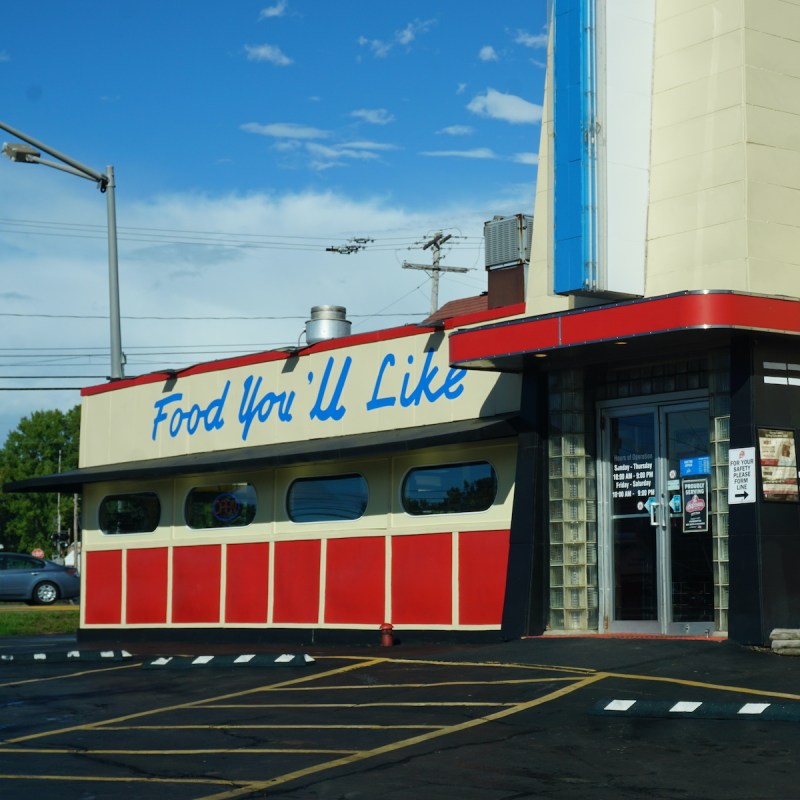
(575, 159)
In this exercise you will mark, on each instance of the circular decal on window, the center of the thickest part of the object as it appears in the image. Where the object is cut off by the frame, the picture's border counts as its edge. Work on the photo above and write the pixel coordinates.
(226, 507)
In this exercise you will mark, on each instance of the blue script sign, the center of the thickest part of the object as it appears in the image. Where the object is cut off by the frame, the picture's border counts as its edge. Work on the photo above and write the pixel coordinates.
(418, 383)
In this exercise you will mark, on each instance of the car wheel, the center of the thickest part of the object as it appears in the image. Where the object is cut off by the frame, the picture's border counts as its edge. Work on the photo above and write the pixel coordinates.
(45, 594)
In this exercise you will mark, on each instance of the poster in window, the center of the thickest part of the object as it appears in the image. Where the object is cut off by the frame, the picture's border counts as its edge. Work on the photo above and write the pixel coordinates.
(632, 482)
(694, 499)
(778, 458)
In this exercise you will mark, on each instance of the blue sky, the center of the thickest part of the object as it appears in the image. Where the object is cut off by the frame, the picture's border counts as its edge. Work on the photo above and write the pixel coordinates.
(246, 139)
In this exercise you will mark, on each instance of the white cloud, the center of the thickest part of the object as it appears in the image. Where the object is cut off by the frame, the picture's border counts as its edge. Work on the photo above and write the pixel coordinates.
(535, 40)
(285, 130)
(382, 47)
(4, 56)
(478, 152)
(270, 262)
(488, 53)
(325, 157)
(267, 52)
(370, 145)
(456, 130)
(339, 152)
(527, 158)
(278, 10)
(410, 32)
(506, 107)
(461, 88)
(375, 116)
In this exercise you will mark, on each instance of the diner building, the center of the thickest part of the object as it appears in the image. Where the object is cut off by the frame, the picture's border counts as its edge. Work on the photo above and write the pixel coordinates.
(604, 443)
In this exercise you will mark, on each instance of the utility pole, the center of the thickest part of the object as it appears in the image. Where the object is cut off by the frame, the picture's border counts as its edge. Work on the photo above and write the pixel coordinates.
(435, 244)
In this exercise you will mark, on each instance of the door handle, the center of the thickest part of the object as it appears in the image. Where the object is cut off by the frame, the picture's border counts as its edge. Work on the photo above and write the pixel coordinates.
(652, 509)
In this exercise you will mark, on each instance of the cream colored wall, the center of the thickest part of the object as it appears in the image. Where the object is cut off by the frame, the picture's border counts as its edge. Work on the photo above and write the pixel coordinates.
(725, 178)
(724, 209)
(384, 513)
(539, 297)
(118, 425)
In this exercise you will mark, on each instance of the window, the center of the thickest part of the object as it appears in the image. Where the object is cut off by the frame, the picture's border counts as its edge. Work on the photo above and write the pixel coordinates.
(449, 489)
(224, 505)
(130, 513)
(336, 497)
(20, 562)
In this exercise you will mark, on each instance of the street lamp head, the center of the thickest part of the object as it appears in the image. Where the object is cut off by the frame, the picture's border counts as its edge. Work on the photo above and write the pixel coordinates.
(17, 151)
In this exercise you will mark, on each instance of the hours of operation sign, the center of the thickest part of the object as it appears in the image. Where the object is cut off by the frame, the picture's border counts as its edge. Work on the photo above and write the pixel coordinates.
(741, 475)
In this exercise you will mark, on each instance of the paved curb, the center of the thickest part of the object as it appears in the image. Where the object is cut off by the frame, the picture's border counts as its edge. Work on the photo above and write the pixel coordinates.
(683, 709)
(70, 655)
(246, 660)
(186, 662)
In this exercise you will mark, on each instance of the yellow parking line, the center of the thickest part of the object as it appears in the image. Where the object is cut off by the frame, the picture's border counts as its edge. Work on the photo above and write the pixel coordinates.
(69, 675)
(704, 685)
(111, 779)
(437, 685)
(424, 737)
(315, 727)
(200, 751)
(420, 704)
(164, 709)
(438, 663)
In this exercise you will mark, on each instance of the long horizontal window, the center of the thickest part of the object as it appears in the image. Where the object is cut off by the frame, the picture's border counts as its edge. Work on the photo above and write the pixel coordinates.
(449, 488)
(138, 512)
(327, 499)
(225, 505)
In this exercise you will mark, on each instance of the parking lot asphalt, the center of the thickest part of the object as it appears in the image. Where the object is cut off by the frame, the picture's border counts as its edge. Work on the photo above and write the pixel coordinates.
(551, 717)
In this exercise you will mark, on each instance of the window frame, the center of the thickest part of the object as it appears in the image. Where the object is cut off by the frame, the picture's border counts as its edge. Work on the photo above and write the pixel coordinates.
(321, 478)
(441, 466)
(220, 485)
(121, 495)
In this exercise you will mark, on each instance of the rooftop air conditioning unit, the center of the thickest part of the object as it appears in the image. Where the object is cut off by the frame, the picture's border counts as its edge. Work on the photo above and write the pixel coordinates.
(508, 240)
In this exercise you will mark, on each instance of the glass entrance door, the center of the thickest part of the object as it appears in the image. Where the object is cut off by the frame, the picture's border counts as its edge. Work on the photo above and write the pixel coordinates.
(657, 540)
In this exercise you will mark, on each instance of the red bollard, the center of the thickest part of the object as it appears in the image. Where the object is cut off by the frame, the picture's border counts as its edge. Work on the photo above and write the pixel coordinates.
(387, 640)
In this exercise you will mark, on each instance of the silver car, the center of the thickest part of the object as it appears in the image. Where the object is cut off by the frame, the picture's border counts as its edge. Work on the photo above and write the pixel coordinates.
(36, 581)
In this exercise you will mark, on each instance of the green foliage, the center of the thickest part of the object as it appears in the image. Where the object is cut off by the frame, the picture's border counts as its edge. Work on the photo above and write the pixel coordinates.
(28, 520)
(21, 621)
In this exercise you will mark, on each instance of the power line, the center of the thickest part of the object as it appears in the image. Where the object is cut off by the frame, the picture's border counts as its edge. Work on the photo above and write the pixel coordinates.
(203, 318)
(207, 238)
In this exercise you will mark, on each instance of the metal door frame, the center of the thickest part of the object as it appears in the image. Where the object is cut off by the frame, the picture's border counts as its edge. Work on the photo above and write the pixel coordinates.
(658, 406)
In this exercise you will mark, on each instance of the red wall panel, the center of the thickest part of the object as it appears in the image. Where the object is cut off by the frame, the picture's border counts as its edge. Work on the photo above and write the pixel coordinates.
(297, 573)
(247, 582)
(146, 572)
(355, 581)
(422, 583)
(482, 563)
(196, 574)
(103, 588)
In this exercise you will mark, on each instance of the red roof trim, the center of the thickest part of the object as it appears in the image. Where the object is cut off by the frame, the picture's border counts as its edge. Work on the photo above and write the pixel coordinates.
(686, 311)
(266, 357)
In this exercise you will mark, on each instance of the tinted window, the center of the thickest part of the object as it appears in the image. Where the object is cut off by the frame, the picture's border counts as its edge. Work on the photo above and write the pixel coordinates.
(224, 505)
(449, 489)
(20, 562)
(337, 497)
(130, 513)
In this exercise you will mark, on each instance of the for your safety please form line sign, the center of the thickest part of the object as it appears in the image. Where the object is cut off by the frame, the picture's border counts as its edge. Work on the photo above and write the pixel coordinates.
(742, 475)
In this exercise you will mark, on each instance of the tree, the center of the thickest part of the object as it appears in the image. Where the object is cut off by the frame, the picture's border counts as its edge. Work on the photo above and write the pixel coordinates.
(40, 441)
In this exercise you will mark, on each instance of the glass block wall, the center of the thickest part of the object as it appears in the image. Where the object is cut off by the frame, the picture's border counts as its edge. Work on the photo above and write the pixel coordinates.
(573, 507)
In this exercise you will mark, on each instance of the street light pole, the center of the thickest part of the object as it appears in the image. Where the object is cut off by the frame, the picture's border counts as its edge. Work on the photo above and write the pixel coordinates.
(105, 182)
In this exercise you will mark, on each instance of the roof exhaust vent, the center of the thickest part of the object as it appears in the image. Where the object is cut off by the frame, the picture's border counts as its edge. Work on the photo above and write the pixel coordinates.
(327, 322)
